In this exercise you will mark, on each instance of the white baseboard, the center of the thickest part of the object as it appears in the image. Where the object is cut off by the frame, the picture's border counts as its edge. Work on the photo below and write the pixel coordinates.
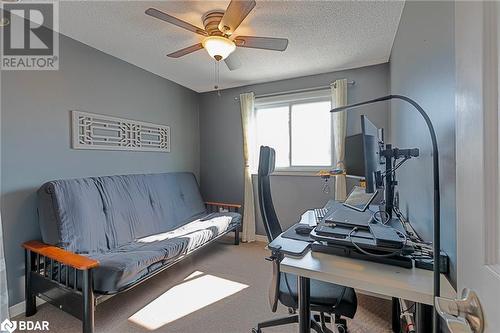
(17, 309)
(261, 238)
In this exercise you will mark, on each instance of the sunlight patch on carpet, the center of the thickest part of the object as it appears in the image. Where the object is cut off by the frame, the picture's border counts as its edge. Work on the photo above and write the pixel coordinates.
(193, 275)
(195, 293)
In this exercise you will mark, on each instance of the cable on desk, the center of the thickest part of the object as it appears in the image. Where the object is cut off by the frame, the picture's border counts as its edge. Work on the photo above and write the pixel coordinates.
(410, 308)
(395, 167)
(407, 313)
(412, 234)
(376, 254)
(383, 220)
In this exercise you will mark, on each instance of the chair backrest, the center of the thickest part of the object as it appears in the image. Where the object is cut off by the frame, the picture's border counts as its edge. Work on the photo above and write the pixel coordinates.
(269, 218)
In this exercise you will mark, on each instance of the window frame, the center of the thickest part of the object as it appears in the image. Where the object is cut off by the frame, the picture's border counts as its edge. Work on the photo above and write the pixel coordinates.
(288, 100)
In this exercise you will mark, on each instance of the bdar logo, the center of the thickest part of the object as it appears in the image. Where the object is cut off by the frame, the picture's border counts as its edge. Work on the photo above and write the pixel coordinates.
(8, 326)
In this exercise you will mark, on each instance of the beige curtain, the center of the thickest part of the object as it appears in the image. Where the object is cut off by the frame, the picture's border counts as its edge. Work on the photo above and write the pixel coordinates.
(339, 128)
(247, 114)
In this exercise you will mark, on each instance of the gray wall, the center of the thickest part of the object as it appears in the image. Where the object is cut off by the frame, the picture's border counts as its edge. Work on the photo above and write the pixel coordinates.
(36, 133)
(422, 67)
(221, 158)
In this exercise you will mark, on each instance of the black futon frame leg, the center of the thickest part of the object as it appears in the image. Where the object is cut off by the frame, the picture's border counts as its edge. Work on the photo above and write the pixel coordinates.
(237, 235)
(88, 302)
(30, 299)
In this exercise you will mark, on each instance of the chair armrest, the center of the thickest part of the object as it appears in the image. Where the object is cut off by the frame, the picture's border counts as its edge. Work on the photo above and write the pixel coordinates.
(221, 204)
(65, 257)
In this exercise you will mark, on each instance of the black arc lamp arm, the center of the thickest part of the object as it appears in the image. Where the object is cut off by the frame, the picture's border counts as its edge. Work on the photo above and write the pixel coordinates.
(435, 164)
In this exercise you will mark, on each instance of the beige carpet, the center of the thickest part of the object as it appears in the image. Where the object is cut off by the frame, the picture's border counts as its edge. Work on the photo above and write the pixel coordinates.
(223, 266)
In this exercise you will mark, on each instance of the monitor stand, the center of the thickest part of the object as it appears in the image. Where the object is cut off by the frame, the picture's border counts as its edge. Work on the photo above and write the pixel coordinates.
(391, 155)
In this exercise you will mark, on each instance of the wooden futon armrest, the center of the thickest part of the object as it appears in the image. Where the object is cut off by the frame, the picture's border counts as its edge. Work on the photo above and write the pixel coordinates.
(221, 204)
(65, 257)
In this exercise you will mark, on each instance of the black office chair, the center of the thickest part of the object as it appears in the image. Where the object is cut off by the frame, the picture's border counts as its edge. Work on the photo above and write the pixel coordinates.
(326, 298)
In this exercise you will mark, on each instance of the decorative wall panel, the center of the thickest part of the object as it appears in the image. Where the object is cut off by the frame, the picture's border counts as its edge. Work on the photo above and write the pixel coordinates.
(95, 131)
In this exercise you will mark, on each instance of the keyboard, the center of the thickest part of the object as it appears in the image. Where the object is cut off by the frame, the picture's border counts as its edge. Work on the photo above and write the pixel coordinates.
(320, 213)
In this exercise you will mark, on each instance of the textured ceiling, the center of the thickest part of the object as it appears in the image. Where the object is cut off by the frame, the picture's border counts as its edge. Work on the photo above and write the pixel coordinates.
(324, 36)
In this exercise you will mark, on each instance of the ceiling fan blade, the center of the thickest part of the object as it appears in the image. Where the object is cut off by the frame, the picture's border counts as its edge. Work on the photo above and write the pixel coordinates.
(175, 21)
(186, 50)
(265, 43)
(235, 14)
(233, 62)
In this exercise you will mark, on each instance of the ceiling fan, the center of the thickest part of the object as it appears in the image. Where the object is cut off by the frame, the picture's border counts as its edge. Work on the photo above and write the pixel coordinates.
(220, 26)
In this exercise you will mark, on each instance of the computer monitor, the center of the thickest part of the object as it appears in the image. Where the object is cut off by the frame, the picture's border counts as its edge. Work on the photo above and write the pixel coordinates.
(372, 143)
(354, 161)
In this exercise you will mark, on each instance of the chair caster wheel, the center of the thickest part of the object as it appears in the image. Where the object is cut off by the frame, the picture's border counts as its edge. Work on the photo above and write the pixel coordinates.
(341, 325)
(342, 329)
(256, 330)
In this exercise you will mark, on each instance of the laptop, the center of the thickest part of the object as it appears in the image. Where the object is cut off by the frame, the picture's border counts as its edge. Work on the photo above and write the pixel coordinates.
(347, 217)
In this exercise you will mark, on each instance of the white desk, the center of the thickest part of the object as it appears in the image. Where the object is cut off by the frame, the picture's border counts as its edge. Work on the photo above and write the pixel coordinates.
(411, 284)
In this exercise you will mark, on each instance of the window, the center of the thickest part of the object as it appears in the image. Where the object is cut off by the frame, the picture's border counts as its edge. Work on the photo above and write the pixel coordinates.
(298, 127)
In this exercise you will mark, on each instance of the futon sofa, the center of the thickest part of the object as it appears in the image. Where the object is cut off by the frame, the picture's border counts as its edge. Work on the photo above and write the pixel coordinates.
(105, 235)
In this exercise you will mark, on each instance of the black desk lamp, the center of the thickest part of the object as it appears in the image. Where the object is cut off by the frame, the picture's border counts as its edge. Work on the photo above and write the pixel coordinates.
(435, 166)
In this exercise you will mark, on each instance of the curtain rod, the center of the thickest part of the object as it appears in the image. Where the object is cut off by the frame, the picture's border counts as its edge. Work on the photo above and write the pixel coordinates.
(296, 91)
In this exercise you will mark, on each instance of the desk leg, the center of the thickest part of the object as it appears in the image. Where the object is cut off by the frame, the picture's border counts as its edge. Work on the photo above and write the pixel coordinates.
(304, 310)
(396, 320)
(424, 318)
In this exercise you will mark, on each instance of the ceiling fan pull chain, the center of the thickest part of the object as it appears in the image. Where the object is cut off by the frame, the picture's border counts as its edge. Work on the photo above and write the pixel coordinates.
(217, 78)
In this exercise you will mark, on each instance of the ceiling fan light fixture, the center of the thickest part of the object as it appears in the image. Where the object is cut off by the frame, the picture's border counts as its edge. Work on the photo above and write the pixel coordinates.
(218, 47)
